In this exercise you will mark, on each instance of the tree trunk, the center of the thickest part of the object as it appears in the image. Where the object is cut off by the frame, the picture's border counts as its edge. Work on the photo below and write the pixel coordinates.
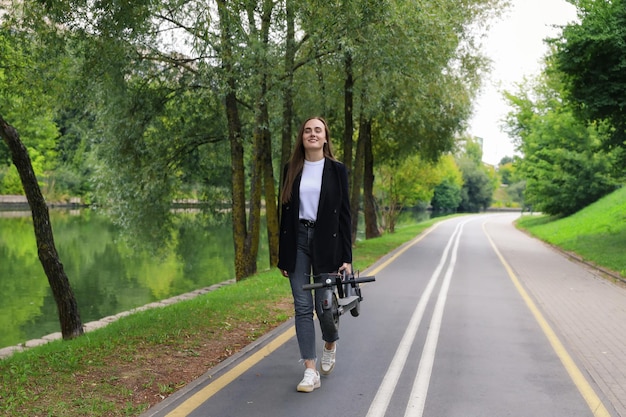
(69, 318)
(348, 101)
(357, 180)
(271, 210)
(254, 219)
(238, 190)
(290, 54)
(236, 146)
(369, 204)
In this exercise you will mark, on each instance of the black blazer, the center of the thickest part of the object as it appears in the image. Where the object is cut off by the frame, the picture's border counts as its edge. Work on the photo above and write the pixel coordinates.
(332, 242)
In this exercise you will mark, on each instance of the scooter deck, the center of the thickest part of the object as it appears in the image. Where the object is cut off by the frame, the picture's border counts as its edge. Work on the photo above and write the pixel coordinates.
(347, 303)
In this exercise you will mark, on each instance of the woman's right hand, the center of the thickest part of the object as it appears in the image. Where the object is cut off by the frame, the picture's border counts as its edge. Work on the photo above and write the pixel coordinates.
(285, 273)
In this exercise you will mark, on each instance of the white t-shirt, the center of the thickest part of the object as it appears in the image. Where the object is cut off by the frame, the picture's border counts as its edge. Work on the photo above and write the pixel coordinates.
(310, 186)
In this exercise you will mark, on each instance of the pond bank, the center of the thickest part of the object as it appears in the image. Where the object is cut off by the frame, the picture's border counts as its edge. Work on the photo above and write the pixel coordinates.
(93, 325)
(19, 202)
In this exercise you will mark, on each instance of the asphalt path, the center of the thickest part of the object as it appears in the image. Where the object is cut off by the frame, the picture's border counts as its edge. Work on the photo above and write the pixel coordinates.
(449, 328)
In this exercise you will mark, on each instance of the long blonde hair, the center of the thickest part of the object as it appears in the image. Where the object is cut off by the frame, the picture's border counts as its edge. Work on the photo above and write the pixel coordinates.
(296, 161)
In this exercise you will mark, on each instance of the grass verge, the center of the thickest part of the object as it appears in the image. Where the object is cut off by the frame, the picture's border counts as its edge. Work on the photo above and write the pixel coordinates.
(137, 361)
(597, 233)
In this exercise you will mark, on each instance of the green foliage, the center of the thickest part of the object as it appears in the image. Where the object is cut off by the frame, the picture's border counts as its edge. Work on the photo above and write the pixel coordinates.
(447, 197)
(564, 166)
(447, 194)
(472, 151)
(122, 50)
(511, 185)
(10, 182)
(34, 70)
(479, 180)
(516, 191)
(506, 160)
(592, 55)
(408, 125)
(159, 147)
(478, 187)
(411, 183)
(506, 173)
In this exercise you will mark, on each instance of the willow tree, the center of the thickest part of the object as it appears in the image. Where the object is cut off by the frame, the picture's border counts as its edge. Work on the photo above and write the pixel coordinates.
(152, 66)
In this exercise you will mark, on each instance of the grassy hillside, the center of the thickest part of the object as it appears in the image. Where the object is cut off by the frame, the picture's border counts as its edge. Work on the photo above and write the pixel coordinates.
(597, 233)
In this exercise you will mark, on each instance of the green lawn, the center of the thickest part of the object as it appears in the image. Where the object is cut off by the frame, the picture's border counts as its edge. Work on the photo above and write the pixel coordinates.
(596, 233)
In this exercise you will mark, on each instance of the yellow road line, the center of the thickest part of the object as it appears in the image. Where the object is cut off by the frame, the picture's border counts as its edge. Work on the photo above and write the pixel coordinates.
(593, 401)
(207, 392)
(196, 400)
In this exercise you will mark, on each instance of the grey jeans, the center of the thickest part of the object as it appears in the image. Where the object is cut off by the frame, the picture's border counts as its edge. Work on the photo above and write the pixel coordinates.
(303, 300)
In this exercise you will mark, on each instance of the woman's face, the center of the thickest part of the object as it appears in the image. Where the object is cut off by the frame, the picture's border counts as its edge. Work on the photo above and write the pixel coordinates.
(314, 135)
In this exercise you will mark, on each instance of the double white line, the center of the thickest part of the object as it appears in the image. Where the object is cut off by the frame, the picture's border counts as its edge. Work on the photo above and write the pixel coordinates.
(417, 399)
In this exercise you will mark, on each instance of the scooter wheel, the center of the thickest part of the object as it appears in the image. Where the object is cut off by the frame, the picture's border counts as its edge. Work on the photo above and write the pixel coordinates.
(330, 317)
(356, 310)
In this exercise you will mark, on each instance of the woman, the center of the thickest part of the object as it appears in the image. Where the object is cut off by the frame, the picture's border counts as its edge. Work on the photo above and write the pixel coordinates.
(315, 237)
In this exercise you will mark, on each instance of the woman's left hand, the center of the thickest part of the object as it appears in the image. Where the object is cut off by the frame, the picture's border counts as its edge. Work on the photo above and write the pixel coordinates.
(346, 267)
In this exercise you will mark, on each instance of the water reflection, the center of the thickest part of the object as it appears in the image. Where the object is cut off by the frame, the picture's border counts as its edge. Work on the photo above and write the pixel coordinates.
(108, 273)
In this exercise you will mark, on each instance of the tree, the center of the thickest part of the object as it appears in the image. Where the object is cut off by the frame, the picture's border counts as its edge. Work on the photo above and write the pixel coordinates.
(71, 325)
(429, 50)
(511, 177)
(564, 164)
(592, 56)
(410, 183)
(506, 172)
(447, 194)
(446, 197)
(479, 181)
(516, 192)
(477, 190)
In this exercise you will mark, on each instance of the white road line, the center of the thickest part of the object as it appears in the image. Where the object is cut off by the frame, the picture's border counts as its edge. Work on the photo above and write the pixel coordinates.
(381, 401)
(417, 399)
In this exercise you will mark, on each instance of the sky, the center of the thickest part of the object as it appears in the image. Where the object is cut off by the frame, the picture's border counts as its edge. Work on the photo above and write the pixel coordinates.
(515, 45)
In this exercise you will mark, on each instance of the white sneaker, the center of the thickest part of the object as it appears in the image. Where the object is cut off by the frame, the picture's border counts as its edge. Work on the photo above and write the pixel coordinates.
(328, 360)
(310, 381)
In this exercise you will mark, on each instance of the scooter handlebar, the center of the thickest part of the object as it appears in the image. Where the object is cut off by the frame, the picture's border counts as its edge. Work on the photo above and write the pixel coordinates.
(333, 282)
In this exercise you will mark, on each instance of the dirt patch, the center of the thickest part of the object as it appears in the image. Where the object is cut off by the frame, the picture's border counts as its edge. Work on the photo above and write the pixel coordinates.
(151, 375)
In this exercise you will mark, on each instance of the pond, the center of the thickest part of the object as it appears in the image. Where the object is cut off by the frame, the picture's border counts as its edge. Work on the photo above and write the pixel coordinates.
(108, 273)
